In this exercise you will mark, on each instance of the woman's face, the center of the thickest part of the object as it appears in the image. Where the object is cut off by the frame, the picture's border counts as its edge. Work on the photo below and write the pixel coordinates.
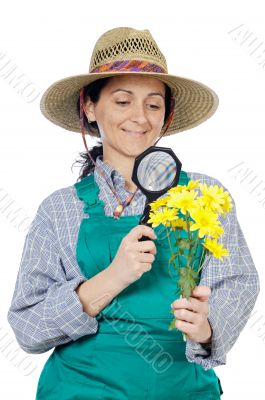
(130, 113)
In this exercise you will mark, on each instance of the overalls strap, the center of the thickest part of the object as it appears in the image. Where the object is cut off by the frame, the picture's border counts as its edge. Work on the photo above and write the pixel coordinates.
(87, 191)
(183, 178)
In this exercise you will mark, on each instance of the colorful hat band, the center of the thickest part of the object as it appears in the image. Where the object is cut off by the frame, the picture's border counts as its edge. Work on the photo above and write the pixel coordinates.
(129, 66)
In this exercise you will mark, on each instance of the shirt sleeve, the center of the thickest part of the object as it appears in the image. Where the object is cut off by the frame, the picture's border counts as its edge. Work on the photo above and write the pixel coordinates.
(234, 283)
(45, 309)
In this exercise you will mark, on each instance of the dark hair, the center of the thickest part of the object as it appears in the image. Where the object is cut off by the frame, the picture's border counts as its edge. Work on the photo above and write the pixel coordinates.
(93, 90)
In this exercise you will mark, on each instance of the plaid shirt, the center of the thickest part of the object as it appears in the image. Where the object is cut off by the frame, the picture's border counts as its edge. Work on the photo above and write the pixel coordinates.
(45, 310)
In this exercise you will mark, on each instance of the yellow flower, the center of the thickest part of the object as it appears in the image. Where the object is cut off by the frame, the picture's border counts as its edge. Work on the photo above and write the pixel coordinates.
(164, 217)
(158, 203)
(212, 197)
(227, 205)
(155, 218)
(177, 189)
(180, 188)
(215, 248)
(179, 223)
(184, 200)
(216, 198)
(193, 184)
(217, 231)
(206, 221)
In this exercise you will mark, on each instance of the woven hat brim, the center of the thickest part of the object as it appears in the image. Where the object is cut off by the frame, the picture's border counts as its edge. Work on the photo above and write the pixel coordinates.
(194, 101)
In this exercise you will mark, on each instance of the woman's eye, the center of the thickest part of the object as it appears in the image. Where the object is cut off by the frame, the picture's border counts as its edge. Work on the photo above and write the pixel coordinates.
(122, 102)
(153, 106)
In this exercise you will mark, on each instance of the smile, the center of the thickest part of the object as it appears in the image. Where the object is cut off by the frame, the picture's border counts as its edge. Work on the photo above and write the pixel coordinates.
(135, 133)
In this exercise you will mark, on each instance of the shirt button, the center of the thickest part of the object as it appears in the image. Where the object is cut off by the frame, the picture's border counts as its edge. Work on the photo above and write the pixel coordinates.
(134, 203)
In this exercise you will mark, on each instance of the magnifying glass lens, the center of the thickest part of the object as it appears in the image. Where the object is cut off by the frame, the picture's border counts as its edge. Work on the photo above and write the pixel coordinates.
(157, 171)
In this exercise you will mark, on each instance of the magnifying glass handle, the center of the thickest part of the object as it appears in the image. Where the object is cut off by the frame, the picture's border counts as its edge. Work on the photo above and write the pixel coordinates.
(144, 219)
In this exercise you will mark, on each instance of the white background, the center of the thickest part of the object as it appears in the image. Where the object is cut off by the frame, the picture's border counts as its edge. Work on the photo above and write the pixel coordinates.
(50, 40)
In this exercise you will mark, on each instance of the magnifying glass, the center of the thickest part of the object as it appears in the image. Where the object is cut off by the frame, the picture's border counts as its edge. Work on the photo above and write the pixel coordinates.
(155, 171)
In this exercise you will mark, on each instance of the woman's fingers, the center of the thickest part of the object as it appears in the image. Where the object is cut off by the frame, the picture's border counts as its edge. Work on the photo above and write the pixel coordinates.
(141, 230)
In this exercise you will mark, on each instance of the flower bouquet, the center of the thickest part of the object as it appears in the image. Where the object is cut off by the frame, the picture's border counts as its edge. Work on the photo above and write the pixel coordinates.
(184, 208)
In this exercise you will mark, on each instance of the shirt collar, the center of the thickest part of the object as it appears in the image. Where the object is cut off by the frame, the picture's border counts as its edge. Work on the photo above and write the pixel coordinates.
(112, 174)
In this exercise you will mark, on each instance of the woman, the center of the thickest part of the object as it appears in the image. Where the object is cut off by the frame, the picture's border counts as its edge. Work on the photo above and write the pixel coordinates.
(86, 285)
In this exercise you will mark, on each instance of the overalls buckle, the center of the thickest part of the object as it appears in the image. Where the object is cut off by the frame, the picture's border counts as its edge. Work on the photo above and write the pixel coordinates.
(93, 202)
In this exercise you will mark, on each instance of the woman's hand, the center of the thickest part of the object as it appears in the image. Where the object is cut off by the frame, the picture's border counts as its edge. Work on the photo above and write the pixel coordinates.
(192, 315)
(134, 258)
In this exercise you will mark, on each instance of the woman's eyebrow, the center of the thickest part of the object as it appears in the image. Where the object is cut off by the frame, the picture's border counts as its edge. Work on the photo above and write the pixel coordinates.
(130, 92)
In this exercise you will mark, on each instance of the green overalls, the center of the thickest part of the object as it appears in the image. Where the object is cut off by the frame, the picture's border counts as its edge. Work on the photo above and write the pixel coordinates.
(133, 355)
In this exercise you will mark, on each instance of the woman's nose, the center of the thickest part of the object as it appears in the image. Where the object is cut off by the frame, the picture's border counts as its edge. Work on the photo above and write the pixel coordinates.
(138, 114)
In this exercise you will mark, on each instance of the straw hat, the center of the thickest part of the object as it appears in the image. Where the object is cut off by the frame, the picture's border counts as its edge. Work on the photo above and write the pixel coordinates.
(129, 51)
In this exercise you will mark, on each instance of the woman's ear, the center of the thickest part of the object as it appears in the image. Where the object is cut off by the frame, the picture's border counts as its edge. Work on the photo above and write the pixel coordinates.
(89, 109)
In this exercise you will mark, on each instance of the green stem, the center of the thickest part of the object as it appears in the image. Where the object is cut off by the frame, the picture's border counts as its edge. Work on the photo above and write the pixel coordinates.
(202, 257)
(190, 240)
(188, 226)
(196, 248)
(170, 247)
(176, 238)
